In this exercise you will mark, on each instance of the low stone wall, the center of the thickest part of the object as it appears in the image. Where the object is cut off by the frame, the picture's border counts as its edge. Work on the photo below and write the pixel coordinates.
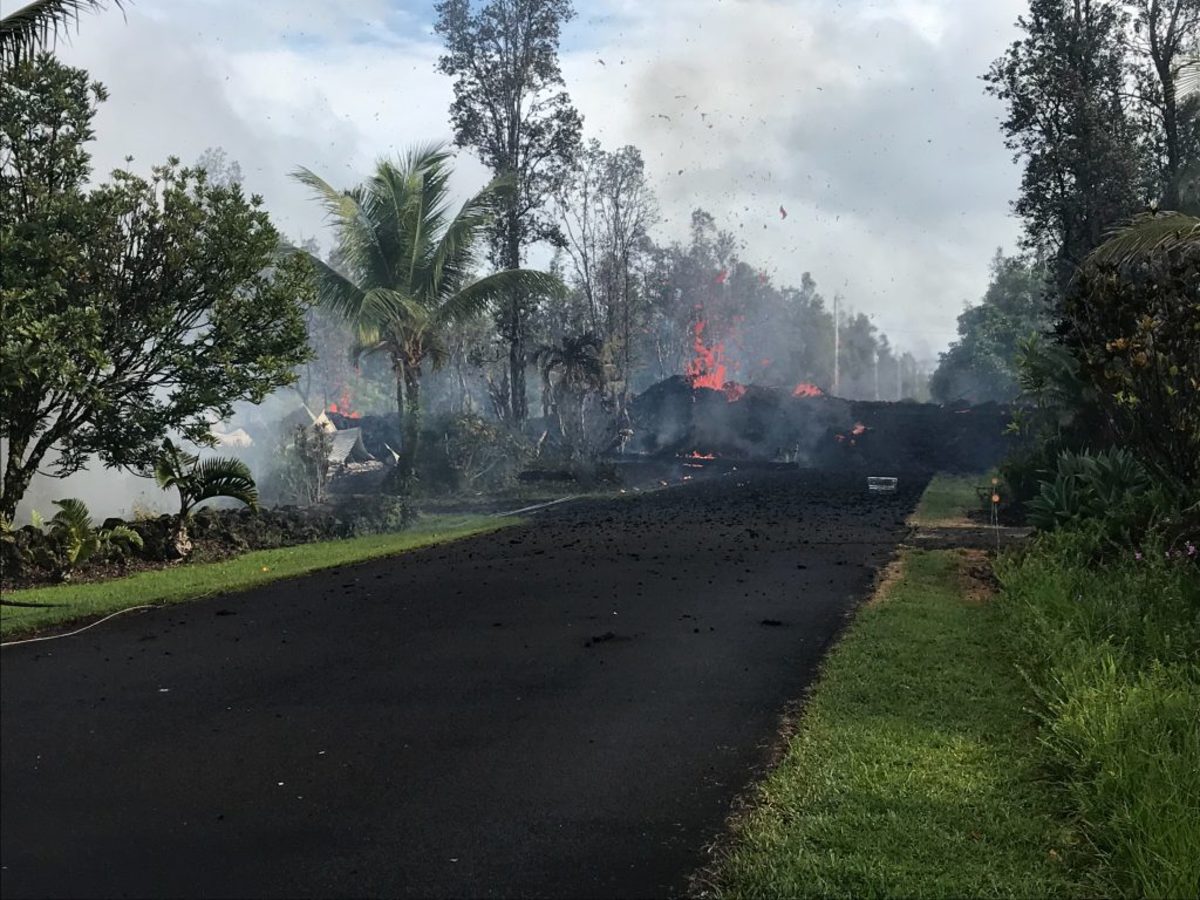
(32, 555)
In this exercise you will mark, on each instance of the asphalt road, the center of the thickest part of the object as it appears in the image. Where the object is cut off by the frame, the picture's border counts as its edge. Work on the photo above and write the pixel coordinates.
(564, 709)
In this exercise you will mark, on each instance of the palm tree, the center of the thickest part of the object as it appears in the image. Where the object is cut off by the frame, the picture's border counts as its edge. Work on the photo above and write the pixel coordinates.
(409, 267)
(198, 480)
(36, 24)
(1149, 236)
(571, 370)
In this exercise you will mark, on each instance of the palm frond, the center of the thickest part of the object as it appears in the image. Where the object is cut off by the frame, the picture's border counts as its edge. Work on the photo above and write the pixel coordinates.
(383, 306)
(1148, 236)
(72, 514)
(335, 291)
(358, 235)
(126, 534)
(36, 25)
(224, 476)
(366, 345)
(454, 256)
(1187, 81)
(478, 296)
(172, 465)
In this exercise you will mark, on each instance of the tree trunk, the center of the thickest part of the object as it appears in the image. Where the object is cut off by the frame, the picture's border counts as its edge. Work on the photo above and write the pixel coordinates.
(516, 364)
(516, 321)
(412, 424)
(398, 369)
(15, 482)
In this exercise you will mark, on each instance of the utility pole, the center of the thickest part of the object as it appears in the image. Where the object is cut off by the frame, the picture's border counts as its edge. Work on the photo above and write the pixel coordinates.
(837, 344)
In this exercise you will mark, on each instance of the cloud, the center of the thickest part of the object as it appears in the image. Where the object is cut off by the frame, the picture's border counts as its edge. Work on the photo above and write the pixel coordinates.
(866, 120)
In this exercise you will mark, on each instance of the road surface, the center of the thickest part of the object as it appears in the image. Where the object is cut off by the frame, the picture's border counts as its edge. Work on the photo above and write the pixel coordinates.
(563, 709)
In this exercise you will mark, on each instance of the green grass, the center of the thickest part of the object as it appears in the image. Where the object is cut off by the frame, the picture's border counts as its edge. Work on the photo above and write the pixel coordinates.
(948, 498)
(914, 769)
(1111, 648)
(189, 582)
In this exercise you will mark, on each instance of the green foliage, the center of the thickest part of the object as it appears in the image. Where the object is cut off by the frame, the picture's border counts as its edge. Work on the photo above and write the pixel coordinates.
(511, 108)
(198, 479)
(474, 453)
(572, 371)
(982, 364)
(1112, 651)
(133, 308)
(1133, 322)
(75, 539)
(1064, 85)
(409, 269)
(1086, 486)
(31, 26)
(301, 474)
(1057, 411)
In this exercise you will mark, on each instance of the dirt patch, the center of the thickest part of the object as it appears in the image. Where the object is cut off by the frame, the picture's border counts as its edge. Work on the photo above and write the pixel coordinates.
(966, 536)
(886, 580)
(977, 582)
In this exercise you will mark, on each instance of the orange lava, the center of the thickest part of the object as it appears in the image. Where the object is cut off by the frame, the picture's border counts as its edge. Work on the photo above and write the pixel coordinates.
(805, 389)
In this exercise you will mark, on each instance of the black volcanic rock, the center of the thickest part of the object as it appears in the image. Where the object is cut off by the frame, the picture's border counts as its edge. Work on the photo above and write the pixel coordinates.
(762, 423)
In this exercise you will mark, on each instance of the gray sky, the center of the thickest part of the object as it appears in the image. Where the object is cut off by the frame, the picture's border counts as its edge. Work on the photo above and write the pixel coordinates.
(865, 120)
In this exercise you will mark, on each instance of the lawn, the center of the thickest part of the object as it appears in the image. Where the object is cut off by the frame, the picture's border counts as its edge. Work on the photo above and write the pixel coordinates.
(189, 582)
(948, 499)
(914, 770)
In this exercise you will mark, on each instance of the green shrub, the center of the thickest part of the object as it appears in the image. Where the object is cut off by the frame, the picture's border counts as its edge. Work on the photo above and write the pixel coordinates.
(1111, 496)
(1112, 653)
(468, 452)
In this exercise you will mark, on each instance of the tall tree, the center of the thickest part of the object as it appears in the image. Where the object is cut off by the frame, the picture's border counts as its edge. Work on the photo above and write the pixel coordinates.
(982, 364)
(130, 310)
(511, 109)
(1166, 32)
(605, 207)
(571, 371)
(218, 168)
(1064, 84)
(408, 271)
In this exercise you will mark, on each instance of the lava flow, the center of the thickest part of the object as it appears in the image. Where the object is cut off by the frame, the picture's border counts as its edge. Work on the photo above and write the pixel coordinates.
(708, 369)
(805, 389)
(858, 430)
(342, 406)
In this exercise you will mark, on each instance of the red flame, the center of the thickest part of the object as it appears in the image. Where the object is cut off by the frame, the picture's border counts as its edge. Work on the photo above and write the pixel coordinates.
(344, 407)
(805, 389)
(708, 368)
(696, 454)
(722, 276)
(858, 428)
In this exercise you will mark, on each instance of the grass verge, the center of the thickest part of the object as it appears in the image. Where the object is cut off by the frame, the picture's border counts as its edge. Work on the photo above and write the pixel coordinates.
(914, 769)
(189, 582)
(1111, 648)
(948, 498)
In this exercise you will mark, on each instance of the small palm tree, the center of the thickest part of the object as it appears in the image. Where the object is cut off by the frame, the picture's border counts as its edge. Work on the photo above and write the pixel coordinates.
(409, 266)
(30, 28)
(80, 540)
(198, 480)
(571, 370)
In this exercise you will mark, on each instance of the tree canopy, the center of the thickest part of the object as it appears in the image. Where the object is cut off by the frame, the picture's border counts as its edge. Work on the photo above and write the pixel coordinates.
(982, 364)
(135, 308)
